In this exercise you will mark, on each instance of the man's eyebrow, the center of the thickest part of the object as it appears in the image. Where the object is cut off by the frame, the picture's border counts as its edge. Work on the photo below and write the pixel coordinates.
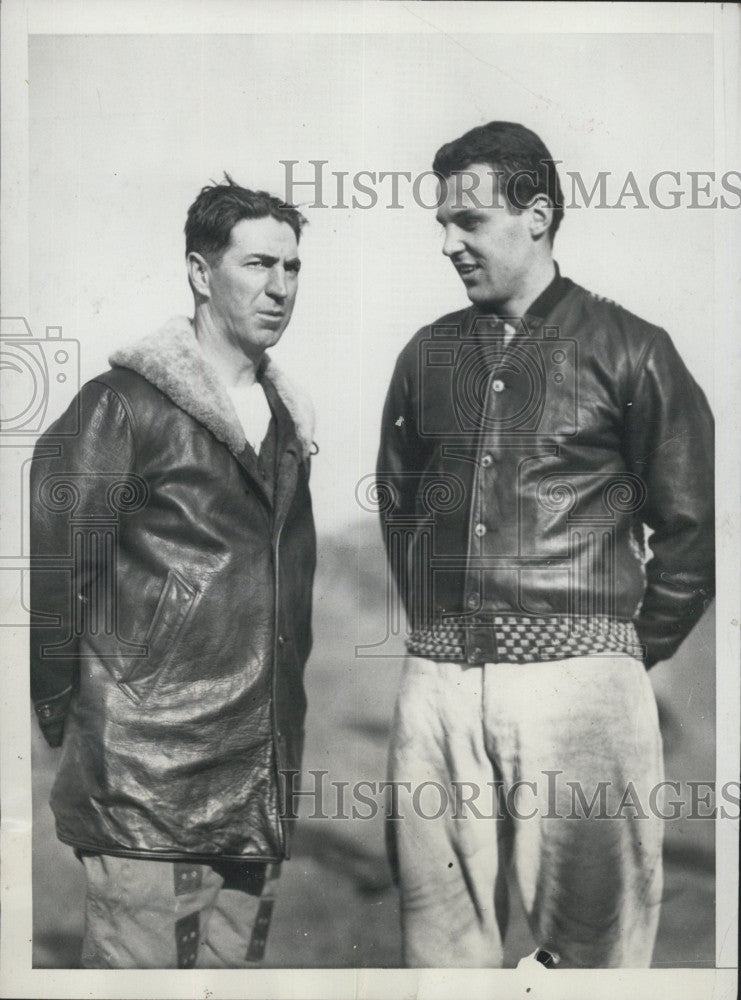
(266, 258)
(270, 259)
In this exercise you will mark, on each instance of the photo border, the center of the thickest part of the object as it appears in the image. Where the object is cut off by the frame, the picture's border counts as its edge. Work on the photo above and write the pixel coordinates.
(20, 20)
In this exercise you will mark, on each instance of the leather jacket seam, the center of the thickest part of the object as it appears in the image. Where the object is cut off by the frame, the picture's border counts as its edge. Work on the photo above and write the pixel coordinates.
(125, 406)
(638, 368)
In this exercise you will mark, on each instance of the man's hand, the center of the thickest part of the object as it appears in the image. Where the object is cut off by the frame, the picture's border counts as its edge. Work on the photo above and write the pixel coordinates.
(51, 714)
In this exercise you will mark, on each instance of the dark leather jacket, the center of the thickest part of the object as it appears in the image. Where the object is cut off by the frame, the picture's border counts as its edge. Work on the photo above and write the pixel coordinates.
(171, 599)
(523, 474)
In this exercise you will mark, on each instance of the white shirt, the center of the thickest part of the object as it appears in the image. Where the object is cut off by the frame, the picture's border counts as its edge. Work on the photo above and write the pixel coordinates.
(253, 411)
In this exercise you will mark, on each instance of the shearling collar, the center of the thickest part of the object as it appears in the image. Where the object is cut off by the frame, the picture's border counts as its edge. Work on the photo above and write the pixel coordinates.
(172, 360)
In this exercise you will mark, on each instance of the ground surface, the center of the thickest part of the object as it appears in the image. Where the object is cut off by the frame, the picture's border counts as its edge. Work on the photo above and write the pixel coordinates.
(337, 906)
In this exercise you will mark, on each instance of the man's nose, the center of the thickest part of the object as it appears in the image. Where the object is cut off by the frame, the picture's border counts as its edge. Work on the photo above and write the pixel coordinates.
(276, 286)
(452, 244)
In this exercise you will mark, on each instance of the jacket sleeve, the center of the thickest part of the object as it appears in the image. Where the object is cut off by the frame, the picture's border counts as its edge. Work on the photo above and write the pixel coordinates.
(402, 457)
(69, 479)
(670, 446)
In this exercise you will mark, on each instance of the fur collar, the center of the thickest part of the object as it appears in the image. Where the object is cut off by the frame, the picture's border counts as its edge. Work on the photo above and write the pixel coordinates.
(172, 361)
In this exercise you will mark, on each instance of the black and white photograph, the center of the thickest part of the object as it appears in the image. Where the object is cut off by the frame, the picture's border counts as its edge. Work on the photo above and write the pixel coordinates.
(370, 541)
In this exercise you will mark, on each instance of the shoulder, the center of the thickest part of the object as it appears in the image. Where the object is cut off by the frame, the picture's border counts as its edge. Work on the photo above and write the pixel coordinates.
(129, 387)
(112, 403)
(141, 401)
(95, 402)
(95, 432)
(448, 326)
(588, 315)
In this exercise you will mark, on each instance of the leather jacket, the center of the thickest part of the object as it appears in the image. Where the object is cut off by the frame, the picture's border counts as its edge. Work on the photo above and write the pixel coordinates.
(171, 597)
(520, 461)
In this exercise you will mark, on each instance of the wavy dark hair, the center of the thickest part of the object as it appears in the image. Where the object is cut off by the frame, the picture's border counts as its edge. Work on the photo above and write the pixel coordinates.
(219, 207)
(519, 155)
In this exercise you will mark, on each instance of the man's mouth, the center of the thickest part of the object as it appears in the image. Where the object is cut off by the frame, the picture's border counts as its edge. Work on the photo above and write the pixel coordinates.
(465, 269)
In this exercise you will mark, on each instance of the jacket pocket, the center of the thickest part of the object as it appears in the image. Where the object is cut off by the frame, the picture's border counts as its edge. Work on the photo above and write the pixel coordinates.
(176, 602)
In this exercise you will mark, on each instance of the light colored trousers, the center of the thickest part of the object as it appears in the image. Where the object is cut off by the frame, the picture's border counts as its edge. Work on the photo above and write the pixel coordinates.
(520, 742)
(166, 915)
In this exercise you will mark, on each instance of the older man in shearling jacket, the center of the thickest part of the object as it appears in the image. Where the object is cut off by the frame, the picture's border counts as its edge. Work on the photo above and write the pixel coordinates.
(173, 556)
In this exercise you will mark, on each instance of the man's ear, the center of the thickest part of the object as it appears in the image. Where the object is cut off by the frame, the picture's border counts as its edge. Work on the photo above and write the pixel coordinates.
(199, 274)
(541, 215)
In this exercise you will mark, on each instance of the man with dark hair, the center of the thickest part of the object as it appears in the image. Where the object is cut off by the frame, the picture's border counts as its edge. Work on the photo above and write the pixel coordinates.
(173, 554)
(528, 442)
(515, 156)
(219, 207)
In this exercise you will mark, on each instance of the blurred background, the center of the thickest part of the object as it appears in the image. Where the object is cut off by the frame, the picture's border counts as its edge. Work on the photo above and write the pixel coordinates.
(125, 129)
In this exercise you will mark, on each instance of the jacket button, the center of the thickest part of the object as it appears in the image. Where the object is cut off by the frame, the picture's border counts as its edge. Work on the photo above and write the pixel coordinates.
(486, 461)
(497, 385)
(281, 640)
(473, 600)
(479, 530)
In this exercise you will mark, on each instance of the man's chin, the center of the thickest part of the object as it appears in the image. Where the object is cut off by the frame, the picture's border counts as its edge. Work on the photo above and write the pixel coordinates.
(482, 298)
(267, 337)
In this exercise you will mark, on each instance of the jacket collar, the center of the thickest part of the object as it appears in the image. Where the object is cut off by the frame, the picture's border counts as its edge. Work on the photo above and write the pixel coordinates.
(539, 310)
(172, 360)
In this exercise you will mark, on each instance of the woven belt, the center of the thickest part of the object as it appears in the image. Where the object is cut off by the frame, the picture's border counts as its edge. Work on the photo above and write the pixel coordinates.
(520, 639)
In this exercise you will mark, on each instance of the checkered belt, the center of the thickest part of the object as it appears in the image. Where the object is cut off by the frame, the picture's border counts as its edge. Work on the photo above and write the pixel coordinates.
(525, 639)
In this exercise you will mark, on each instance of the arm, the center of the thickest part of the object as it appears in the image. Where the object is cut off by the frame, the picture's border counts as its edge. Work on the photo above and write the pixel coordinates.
(402, 458)
(66, 482)
(669, 443)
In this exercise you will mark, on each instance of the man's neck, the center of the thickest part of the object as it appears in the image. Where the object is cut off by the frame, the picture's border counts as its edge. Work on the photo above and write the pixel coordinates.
(233, 366)
(536, 281)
